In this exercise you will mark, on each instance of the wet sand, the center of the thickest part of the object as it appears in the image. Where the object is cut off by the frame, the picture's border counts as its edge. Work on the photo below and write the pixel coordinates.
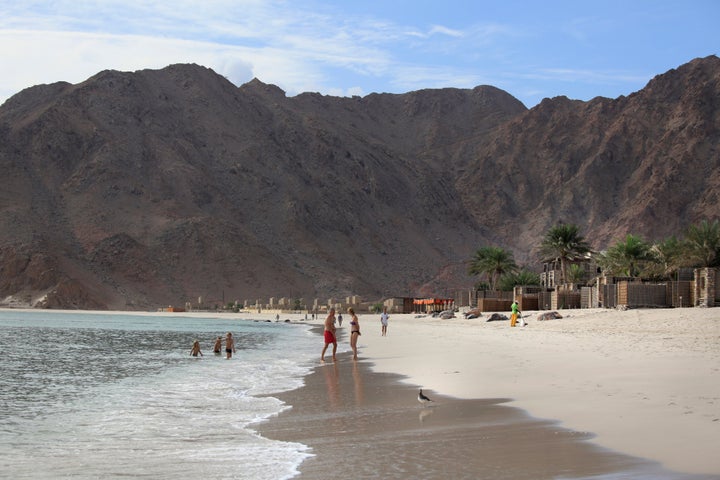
(645, 382)
(363, 424)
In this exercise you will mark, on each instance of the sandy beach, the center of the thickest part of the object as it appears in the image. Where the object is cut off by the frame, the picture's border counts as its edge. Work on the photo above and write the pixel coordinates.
(599, 392)
(364, 424)
(645, 383)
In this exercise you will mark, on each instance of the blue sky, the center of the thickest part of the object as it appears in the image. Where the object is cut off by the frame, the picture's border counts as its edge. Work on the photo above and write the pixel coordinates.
(532, 50)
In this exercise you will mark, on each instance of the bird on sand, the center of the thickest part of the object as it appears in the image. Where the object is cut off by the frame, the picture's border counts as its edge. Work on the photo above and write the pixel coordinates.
(422, 398)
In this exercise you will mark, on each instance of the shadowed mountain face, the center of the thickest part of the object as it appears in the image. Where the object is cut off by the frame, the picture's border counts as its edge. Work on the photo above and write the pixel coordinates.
(135, 190)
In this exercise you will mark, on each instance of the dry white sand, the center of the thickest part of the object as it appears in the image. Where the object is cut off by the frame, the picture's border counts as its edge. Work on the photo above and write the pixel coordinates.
(646, 382)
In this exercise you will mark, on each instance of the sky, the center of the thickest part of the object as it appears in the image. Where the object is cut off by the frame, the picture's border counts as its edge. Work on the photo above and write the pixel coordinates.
(531, 49)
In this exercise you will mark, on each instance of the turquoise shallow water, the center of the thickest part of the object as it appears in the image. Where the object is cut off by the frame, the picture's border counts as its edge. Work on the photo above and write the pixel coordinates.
(87, 395)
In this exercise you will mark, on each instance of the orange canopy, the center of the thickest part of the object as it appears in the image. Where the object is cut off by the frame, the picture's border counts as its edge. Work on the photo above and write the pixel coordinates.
(432, 301)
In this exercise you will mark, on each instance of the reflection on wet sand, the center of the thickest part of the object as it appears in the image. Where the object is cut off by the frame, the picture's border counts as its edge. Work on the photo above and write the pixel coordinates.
(332, 382)
(425, 412)
(358, 382)
(345, 406)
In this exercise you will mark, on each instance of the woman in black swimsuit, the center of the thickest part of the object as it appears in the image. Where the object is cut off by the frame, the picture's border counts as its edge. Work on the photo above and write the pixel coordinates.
(354, 331)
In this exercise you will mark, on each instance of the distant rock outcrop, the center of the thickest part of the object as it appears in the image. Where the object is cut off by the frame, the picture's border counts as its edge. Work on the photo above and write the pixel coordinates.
(133, 190)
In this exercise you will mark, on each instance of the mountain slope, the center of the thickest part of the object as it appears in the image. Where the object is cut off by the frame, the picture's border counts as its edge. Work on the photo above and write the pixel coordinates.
(158, 187)
(647, 163)
(133, 190)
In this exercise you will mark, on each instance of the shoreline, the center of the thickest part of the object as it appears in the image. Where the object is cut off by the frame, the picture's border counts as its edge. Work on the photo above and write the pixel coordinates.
(645, 382)
(371, 425)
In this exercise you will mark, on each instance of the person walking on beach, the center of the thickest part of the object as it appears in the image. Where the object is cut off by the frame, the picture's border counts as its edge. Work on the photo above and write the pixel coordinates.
(354, 331)
(229, 345)
(329, 335)
(384, 321)
(340, 319)
(196, 349)
(218, 345)
(515, 309)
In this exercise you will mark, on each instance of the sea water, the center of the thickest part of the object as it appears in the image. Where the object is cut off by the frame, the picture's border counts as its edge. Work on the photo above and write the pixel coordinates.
(86, 395)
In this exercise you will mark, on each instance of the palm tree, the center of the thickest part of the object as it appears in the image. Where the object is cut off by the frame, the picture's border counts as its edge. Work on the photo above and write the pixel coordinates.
(524, 277)
(564, 242)
(702, 243)
(627, 257)
(493, 262)
(668, 257)
(576, 274)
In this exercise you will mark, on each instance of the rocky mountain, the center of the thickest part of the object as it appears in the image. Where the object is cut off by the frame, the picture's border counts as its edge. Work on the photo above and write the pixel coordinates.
(136, 190)
(647, 163)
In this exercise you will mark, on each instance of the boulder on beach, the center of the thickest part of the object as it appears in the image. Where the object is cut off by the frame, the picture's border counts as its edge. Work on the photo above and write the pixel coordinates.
(496, 316)
(549, 316)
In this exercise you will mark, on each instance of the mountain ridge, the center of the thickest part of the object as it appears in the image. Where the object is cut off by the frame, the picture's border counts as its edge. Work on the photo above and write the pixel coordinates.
(135, 190)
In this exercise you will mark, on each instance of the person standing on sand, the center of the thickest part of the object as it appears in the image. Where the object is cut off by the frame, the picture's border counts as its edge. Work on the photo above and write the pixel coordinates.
(218, 345)
(229, 345)
(339, 319)
(384, 321)
(196, 349)
(329, 335)
(515, 308)
(354, 331)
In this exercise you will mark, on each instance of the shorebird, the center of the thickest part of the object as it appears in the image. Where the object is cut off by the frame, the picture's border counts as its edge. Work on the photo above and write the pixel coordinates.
(422, 398)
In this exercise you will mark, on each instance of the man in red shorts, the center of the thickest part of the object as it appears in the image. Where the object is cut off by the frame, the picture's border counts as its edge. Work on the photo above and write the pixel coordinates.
(329, 335)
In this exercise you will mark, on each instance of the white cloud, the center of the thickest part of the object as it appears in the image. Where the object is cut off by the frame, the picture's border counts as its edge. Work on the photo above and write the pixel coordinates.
(278, 42)
(268, 40)
(236, 70)
(355, 91)
(47, 57)
(299, 45)
(413, 77)
(445, 31)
